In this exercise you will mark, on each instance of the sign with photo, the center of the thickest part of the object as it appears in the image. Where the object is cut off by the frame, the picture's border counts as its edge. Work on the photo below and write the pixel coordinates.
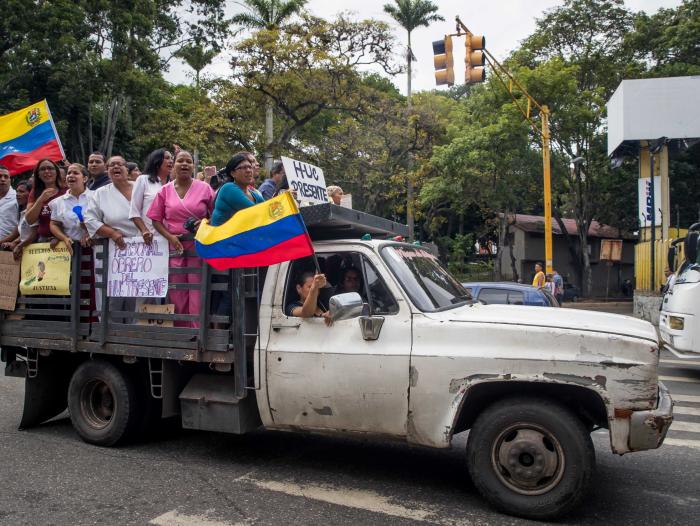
(45, 270)
(306, 180)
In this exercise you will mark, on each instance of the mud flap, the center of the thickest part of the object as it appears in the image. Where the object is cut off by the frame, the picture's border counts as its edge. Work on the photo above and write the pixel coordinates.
(45, 395)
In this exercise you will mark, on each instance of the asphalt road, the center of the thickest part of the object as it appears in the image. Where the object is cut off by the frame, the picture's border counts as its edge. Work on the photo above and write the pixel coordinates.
(179, 478)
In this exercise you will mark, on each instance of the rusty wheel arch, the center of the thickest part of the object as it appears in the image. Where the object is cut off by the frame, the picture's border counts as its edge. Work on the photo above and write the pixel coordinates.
(584, 402)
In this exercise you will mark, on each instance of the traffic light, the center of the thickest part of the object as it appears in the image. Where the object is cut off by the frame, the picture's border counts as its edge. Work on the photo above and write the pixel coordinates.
(474, 59)
(444, 63)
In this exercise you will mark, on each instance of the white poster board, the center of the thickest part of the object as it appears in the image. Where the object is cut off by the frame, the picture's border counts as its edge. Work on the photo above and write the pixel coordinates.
(306, 179)
(138, 271)
(645, 201)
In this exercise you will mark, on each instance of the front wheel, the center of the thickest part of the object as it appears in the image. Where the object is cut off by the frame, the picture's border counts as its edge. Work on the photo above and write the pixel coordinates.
(530, 457)
(102, 403)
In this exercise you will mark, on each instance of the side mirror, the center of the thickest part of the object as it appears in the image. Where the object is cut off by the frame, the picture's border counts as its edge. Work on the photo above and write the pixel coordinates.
(345, 306)
(671, 257)
(691, 247)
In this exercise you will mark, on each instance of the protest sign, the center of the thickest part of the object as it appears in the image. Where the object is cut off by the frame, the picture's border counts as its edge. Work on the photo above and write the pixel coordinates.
(139, 270)
(9, 281)
(168, 308)
(306, 179)
(45, 270)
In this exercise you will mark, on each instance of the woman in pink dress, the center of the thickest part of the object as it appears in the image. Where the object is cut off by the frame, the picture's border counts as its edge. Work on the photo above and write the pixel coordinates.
(182, 200)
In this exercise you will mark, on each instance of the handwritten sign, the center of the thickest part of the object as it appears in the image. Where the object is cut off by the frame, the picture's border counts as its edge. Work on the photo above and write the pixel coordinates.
(9, 280)
(139, 270)
(45, 270)
(306, 179)
(168, 308)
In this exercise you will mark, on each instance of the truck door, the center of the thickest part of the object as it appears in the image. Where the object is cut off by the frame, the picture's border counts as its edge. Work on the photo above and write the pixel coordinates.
(330, 378)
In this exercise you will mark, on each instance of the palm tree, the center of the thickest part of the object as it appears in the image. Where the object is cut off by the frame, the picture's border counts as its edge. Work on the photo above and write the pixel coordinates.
(270, 15)
(411, 14)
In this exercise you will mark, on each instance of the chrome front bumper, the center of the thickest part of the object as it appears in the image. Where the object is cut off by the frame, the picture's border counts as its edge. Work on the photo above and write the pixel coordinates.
(648, 428)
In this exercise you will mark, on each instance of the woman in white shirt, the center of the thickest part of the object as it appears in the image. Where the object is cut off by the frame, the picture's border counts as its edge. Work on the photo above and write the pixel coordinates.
(107, 216)
(68, 210)
(156, 174)
(109, 207)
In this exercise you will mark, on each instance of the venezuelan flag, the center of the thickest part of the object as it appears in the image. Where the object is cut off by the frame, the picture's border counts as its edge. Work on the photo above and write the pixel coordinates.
(26, 136)
(258, 236)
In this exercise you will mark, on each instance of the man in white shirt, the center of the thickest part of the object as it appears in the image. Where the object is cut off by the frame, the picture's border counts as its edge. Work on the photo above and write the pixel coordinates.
(9, 208)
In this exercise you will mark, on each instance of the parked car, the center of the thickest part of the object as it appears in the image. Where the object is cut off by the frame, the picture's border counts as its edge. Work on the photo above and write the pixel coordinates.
(509, 293)
(571, 292)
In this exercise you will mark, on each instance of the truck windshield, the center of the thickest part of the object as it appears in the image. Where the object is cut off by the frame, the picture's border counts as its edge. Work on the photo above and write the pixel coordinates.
(430, 287)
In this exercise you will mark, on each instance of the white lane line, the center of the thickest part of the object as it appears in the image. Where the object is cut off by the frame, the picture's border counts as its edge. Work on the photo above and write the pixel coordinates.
(682, 379)
(359, 499)
(693, 427)
(682, 410)
(695, 444)
(680, 362)
(174, 518)
(685, 398)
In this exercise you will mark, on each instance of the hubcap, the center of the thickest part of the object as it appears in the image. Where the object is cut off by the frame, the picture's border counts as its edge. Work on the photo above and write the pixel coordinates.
(97, 403)
(528, 459)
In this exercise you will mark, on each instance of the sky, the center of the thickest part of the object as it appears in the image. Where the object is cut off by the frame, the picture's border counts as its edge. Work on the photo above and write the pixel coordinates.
(504, 23)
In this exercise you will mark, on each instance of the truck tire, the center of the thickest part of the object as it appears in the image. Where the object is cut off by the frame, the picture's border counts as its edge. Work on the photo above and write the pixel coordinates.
(102, 403)
(530, 457)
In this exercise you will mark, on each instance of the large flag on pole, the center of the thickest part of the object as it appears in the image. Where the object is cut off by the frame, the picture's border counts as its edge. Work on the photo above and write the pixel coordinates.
(28, 135)
(264, 234)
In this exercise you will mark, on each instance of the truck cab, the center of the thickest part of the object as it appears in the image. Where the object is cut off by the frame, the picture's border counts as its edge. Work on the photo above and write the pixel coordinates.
(410, 357)
(679, 322)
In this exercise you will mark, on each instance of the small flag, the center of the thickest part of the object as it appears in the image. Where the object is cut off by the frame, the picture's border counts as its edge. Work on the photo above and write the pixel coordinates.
(28, 135)
(264, 234)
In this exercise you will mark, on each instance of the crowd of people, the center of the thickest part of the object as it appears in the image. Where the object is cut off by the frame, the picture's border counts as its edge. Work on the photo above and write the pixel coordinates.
(111, 198)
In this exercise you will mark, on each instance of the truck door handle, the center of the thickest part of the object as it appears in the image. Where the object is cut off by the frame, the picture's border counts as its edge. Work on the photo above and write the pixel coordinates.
(277, 328)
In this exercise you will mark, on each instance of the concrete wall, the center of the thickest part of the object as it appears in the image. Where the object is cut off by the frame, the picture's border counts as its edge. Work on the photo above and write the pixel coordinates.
(647, 306)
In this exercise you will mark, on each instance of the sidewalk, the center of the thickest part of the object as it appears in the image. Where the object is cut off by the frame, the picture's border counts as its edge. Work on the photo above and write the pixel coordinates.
(613, 307)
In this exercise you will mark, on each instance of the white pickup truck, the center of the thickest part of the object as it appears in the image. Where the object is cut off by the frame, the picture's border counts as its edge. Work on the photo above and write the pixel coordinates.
(410, 357)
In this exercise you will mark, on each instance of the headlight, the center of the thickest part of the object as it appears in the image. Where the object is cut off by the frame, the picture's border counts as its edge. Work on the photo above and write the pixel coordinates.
(675, 323)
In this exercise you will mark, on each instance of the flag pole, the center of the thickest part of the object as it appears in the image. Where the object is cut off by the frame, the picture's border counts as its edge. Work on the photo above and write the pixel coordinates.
(55, 132)
(306, 231)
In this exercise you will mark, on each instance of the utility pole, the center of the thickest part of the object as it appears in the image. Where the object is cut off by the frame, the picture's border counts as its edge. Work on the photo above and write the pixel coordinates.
(475, 73)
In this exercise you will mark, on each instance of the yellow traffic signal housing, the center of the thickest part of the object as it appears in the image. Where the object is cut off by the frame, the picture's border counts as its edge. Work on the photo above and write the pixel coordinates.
(444, 62)
(474, 59)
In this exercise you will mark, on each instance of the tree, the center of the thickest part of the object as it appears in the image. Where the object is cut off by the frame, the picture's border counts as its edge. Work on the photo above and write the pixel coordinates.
(198, 57)
(268, 15)
(316, 66)
(573, 61)
(411, 14)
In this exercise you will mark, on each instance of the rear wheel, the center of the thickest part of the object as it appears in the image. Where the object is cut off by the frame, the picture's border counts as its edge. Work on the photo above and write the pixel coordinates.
(530, 457)
(102, 403)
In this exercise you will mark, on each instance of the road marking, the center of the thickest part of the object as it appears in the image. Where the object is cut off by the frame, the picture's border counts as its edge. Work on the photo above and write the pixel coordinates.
(695, 444)
(682, 410)
(680, 362)
(685, 398)
(693, 427)
(359, 499)
(682, 379)
(174, 518)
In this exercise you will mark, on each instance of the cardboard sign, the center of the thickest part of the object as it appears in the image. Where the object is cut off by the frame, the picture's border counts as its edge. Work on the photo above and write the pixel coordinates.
(168, 308)
(307, 180)
(138, 271)
(9, 281)
(45, 270)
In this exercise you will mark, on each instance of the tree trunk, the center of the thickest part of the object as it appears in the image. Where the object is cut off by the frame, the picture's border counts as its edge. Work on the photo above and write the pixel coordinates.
(570, 244)
(409, 180)
(269, 135)
(110, 126)
(90, 138)
(587, 276)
